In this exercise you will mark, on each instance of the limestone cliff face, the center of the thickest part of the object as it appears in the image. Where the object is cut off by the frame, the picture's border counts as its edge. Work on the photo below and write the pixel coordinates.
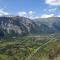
(21, 25)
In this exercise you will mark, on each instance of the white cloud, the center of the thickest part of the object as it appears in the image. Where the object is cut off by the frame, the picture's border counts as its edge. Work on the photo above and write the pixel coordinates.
(28, 14)
(47, 15)
(52, 9)
(22, 14)
(31, 12)
(58, 16)
(2, 12)
(53, 2)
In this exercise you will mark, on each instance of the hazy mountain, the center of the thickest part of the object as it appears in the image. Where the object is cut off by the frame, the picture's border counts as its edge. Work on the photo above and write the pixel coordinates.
(52, 22)
(21, 26)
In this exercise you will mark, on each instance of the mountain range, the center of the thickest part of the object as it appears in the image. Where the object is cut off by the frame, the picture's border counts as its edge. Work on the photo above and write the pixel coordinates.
(14, 26)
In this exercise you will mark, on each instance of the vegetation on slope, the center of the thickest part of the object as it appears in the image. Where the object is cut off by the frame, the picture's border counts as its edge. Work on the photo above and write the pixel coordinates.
(22, 47)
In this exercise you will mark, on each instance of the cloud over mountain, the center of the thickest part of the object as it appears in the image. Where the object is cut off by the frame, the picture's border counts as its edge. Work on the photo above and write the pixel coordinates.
(46, 15)
(29, 14)
(2, 12)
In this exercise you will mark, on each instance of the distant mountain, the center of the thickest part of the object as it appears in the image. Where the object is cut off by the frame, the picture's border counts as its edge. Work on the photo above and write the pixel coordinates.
(52, 22)
(14, 26)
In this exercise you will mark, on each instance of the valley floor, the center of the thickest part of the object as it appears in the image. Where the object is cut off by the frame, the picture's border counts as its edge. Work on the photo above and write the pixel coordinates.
(41, 47)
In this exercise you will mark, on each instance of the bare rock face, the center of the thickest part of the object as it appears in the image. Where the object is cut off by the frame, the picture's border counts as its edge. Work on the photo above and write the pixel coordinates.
(22, 26)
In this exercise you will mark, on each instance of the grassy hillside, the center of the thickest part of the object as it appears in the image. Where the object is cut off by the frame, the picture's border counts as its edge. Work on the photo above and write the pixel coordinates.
(41, 47)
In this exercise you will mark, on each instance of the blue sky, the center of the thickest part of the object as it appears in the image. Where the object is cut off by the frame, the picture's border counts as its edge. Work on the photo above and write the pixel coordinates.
(30, 8)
